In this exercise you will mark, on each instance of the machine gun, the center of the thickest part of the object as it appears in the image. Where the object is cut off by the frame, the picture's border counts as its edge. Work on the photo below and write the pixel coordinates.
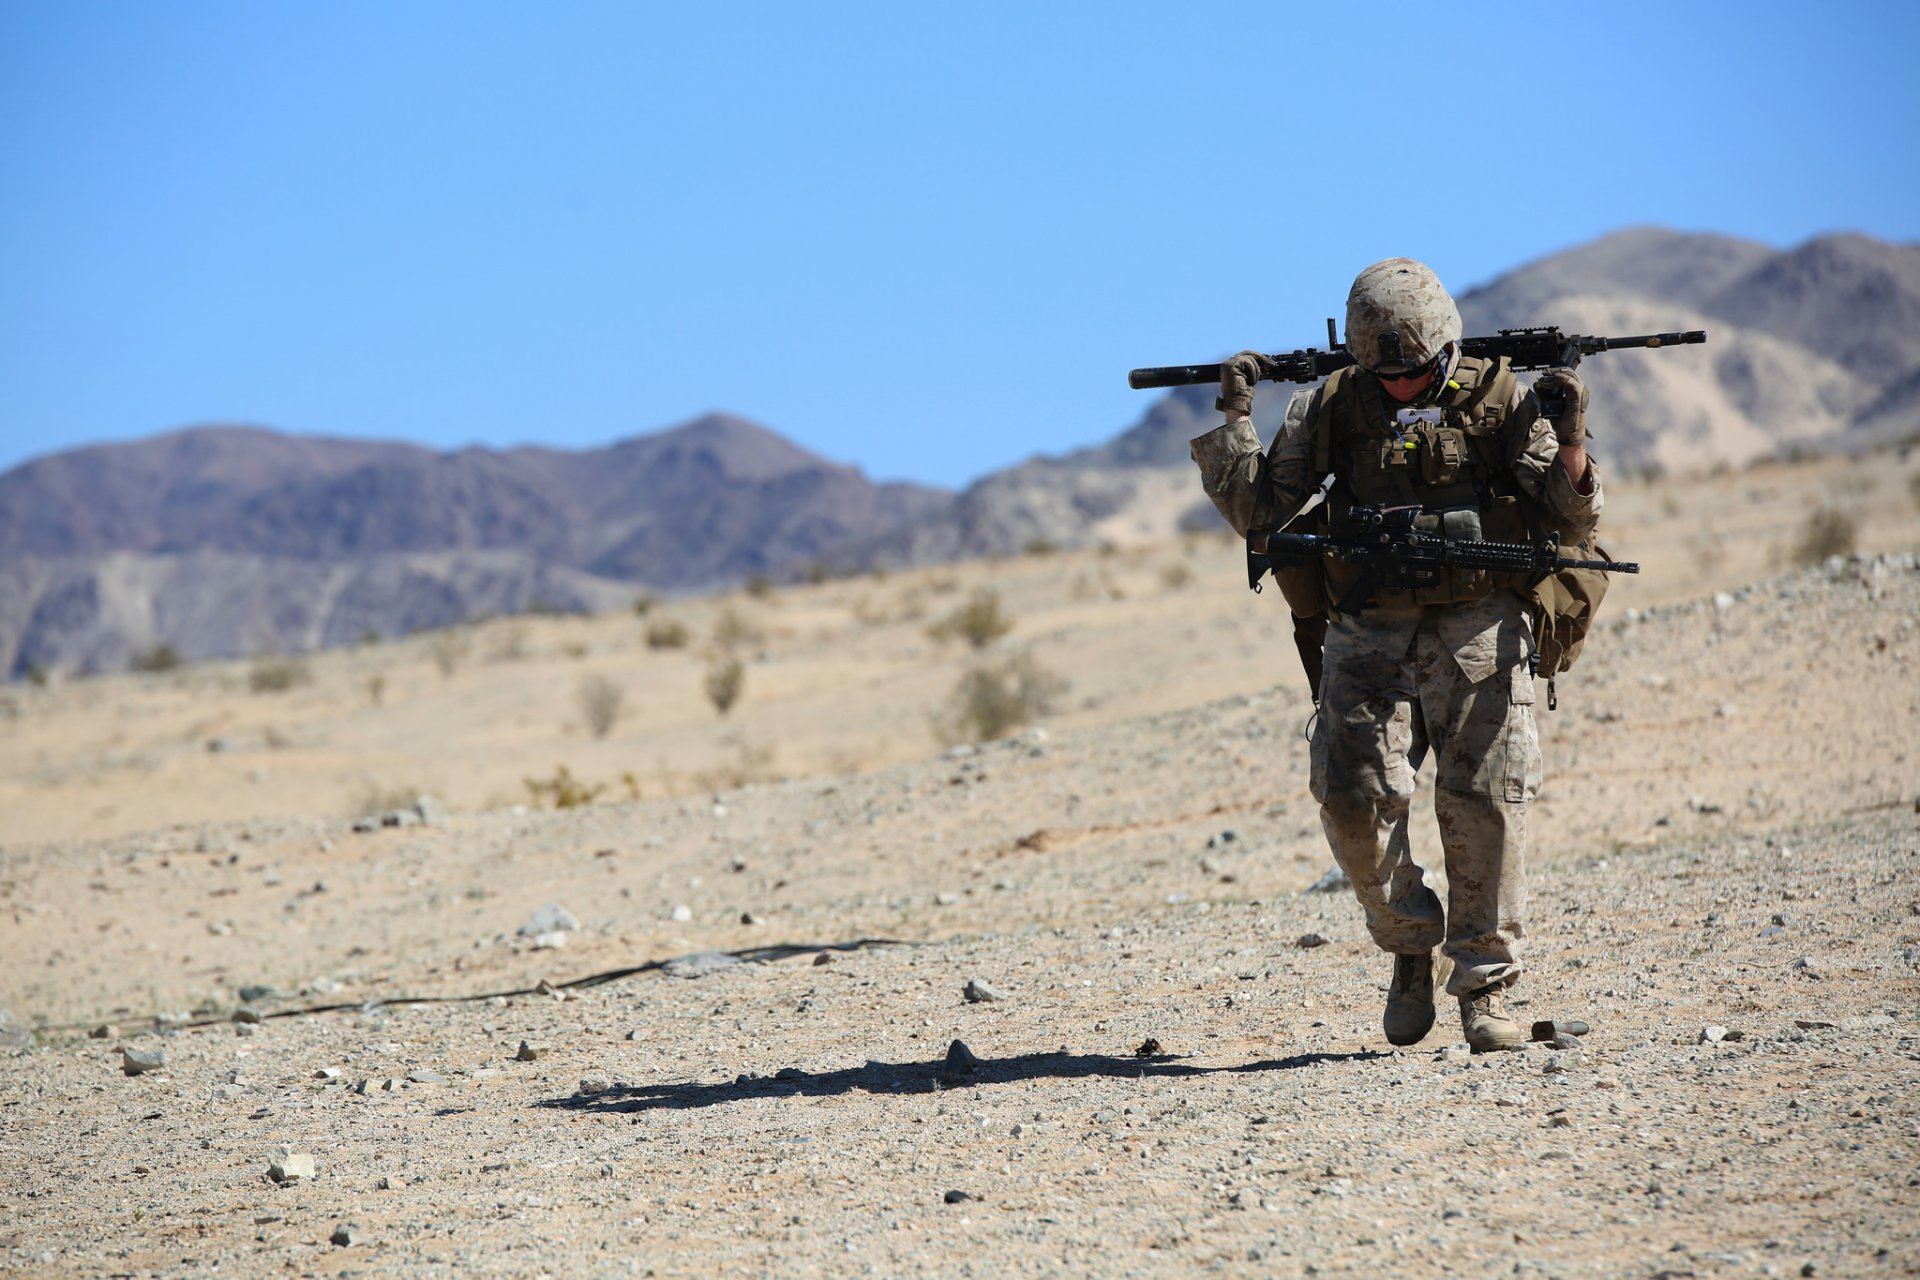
(1394, 555)
(1538, 348)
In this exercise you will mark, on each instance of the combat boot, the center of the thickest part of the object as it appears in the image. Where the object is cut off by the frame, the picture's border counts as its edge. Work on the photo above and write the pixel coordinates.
(1483, 1017)
(1409, 1013)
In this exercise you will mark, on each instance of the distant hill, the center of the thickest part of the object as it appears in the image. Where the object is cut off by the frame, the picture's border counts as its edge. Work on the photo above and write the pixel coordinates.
(221, 541)
(229, 540)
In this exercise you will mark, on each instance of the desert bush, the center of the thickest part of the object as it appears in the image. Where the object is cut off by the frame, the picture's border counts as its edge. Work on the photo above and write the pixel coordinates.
(750, 764)
(39, 675)
(369, 637)
(734, 630)
(159, 657)
(818, 572)
(600, 702)
(668, 633)
(449, 649)
(980, 621)
(1039, 547)
(508, 643)
(759, 586)
(564, 791)
(643, 605)
(1175, 577)
(991, 700)
(726, 680)
(277, 675)
(1828, 531)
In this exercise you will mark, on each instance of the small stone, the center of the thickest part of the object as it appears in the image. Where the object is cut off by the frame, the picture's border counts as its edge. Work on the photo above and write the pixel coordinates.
(979, 992)
(1561, 1063)
(105, 1031)
(956, 1197)
(246, 1028)
(255, 992)
(960, 1060)
(550, 941)
(1149, 1048)
(1560, 1122)
(345, 1235)
(1308, 941)
(749, 919)
(531, 1051)
(1807, 966)
(682, 913)
(699, 965)
(365, 826)
(420, 1075)
(1712, 1034)
(1455, 1053)
(1784, 919)
(285, 1165)
(328, 1074)
(590, 1085)
(430, 811)
(825, 957)
(137, 1062)
(246, 1013)
(1334, 881)
(552, 918)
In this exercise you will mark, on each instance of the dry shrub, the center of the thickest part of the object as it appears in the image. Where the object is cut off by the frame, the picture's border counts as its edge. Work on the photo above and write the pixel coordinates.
(1828, 531)
(564, 791)
(726, 680)
(759, 586)
(993, 699)
(980, 621)
(449, 649)
(600, 702)
(375, 798)
(1175, 577)
(277, 675)
(668, 633)
(159, 657)
(643, 605)
(734, 630)
(749, 765)
(509, 643)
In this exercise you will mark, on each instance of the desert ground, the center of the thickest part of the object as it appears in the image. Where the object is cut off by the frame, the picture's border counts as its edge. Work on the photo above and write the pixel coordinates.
(731, 1050)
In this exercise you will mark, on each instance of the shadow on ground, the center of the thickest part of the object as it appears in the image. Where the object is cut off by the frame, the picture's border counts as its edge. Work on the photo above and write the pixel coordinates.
(918, 1077)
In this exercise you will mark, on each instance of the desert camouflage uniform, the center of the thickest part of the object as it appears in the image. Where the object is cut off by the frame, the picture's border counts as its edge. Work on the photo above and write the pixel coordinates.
(1450, 678)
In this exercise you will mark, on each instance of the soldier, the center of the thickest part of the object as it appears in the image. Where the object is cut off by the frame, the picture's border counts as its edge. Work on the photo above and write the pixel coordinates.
(1446, 668)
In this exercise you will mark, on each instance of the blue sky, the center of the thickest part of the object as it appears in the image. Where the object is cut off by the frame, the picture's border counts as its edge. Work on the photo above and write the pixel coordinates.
(927, 240)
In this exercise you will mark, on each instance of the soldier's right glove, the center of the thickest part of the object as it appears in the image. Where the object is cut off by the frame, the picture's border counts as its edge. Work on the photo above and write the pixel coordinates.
(1563, 398)
(1237, 377)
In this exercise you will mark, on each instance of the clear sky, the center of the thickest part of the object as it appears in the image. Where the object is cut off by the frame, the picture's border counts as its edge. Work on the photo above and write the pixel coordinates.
(927, 240)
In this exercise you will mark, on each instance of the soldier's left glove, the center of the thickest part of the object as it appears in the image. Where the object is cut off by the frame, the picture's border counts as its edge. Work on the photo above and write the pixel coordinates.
(1237, 377)
(1563, 398)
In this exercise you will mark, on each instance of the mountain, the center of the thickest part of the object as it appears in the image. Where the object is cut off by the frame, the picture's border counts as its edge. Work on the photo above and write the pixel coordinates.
(227, 540)
(221, 541)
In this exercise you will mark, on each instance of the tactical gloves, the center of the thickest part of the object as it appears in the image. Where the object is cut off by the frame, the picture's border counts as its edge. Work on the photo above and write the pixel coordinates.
(1237, 377)
(1563, 398)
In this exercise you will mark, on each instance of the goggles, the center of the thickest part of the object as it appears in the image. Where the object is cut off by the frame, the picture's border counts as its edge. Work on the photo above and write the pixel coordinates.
(1417, 371)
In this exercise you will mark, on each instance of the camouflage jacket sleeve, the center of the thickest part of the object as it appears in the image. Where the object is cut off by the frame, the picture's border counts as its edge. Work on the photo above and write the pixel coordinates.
(1536, 468)
(1249, 486)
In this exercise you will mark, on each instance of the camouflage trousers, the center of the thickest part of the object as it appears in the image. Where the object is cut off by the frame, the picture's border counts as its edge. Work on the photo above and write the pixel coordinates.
(1453, 680)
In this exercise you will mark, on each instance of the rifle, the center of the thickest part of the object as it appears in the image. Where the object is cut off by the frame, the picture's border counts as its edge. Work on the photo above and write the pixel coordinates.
(1394, 555)
(1542, 347)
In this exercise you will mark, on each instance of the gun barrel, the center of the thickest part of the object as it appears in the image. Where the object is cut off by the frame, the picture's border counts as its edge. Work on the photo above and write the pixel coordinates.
(1525, 348)
(1179, 375)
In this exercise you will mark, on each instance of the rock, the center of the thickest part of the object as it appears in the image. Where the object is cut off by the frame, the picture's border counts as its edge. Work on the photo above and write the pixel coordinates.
(1868, 1022)
(825, 957)
(591, 1085)
(245, 1028)
(552, 918)
(1560, 1122)
(1149, 1048)
(1808, 967)
(978, 992)
(246, 1013)
(956, 1197)
(421, 1075)
(1334, 881)
(1784, 919)
(365, 826)
(105, 1031)
(682, 913)
(345, 1235)
(699, 964)
(137, 1062)
(255, 992)
(550, 941)
(328, 1074)
(960, 1060)
(1561, 1063)
(287, 1166)
(430, 811)
(13, 1035)
(748, 918)
(399, 818)
(1455, 1053)
(1712, 1034)
(1308, 941)
(531, 1051)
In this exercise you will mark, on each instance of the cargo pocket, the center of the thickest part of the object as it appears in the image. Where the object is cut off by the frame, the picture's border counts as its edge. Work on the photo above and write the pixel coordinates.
(1520, 743)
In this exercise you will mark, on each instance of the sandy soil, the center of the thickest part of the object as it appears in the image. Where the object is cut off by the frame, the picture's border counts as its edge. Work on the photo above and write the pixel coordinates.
(1728, 840)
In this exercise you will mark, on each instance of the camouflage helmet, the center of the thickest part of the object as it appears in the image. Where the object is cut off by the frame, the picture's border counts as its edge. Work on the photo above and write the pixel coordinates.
(1399, 316)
